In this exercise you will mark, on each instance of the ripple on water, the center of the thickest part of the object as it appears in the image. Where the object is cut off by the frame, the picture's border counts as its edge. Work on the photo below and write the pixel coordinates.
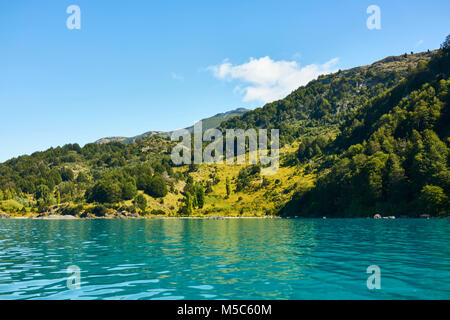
(225, 259)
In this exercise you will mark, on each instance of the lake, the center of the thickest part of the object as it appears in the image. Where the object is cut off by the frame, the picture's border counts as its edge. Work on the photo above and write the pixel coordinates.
(225, 259)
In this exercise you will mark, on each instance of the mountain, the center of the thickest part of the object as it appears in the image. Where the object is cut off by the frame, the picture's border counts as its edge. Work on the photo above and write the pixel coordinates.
(215, 121)
(208, 123)
(323, 104)
(372, 139)
(392, 155)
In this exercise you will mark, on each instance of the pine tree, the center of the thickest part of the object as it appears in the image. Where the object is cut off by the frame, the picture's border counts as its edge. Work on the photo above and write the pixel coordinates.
(199, 195)
(188, 208)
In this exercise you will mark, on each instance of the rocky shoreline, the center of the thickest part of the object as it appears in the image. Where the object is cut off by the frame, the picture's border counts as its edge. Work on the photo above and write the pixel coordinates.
(4, 216)
(126, 215)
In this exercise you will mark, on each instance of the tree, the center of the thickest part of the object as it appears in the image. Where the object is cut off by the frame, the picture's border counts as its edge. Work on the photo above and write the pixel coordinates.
(58, 197)
(159, 168)
(140, 201)
(7, 195)
(246, 176)
(395, 181)
(446, 44)
(129, 190)
(104, 192)
(157, 187)
(82, 178)
(43, 193)
(99, 211)
(199, 195)
(433, 200)
(228, 187)
(430, 159)
(188, 204)
(66, 190)
(208, 187)
(189, 186)
(67, 174)
(143, 181)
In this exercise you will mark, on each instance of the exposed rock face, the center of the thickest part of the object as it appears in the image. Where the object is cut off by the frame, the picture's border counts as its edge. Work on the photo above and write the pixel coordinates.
(377, 216)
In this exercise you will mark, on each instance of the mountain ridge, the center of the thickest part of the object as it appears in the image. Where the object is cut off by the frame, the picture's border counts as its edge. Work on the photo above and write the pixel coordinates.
(327, 101)
(138, 178)
(208, 123)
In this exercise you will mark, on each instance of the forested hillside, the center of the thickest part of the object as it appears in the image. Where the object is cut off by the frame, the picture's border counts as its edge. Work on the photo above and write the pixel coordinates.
(372, 139)
(323, 104)
(392, 155)
(97, 173)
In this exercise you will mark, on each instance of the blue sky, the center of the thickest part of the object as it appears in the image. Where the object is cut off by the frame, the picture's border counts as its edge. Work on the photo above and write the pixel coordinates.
(136, 66)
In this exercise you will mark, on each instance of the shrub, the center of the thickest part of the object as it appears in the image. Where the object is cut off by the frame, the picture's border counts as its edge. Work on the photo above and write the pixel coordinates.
(104, 192)
(140, 202)
(157, 187)
(129, 190)
(99, 211)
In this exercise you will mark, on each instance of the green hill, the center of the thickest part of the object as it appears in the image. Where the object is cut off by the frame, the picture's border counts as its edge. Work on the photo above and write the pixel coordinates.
(357, 142)
(323, 104)
(392, 155)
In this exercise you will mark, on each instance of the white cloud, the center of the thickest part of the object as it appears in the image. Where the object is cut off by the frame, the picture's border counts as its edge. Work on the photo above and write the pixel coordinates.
(419, 43)
(266, 80)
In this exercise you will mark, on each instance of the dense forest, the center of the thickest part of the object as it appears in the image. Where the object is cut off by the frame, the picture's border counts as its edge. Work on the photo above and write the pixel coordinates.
(320, 107)
(97, 173)
(392, 155)
(372, 139)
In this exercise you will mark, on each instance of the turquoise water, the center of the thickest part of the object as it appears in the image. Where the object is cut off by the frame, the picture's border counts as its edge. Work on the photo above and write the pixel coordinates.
(225, 259)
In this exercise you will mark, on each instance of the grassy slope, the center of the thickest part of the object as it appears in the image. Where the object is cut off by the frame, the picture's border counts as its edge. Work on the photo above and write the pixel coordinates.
(255, 201)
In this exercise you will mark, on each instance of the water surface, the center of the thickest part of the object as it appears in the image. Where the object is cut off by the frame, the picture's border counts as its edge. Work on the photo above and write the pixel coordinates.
(225, 259)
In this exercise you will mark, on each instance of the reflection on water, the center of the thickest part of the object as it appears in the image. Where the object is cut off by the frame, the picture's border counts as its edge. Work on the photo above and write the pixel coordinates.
(225, 259)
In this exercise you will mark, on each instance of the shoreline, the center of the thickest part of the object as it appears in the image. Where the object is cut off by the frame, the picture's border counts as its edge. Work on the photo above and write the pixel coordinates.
(4, 216)
(54, 217)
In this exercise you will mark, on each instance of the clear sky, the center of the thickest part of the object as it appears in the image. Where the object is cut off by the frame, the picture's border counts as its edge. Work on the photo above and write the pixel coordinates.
(136, 66)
